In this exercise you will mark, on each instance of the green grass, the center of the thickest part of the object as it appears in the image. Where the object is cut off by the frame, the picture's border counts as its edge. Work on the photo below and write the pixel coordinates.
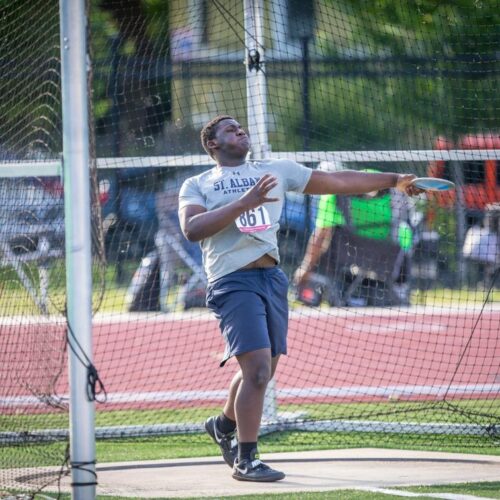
(486, 489)
(14, 300)
(453, 297)
(484, 411)
(200, 445)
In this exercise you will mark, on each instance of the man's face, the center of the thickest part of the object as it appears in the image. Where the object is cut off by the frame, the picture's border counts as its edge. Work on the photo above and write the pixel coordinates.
(231, 139)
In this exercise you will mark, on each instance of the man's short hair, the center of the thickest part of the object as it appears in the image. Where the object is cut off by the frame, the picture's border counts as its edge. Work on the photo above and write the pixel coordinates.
(210, 129)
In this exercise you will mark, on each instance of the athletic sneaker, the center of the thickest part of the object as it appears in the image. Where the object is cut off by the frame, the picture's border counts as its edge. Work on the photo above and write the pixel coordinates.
(228, 443)
(255, 470)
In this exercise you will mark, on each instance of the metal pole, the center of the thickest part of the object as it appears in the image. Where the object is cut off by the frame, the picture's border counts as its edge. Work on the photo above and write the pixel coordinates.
(306, 107)
(256, 78)
(461, 221)
(78, 244)
(257, 123)
(115, 106)
(113, 93)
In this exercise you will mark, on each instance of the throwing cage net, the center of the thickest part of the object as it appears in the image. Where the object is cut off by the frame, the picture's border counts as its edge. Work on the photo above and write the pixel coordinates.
(393, 339)
(32, 270)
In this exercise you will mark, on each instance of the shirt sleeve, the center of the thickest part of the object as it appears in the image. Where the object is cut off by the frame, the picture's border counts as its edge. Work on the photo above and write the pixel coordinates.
(328, 214)
(190, 194)
(297, 176)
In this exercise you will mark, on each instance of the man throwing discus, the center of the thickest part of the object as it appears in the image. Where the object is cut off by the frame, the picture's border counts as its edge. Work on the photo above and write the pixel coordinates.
(233, 210)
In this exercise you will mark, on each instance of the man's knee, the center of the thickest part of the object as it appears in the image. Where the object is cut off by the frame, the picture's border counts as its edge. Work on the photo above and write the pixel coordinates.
(256, 368)
(260, 375)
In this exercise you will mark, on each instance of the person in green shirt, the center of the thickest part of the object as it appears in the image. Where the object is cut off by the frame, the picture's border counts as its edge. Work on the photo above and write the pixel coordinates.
(379, 215)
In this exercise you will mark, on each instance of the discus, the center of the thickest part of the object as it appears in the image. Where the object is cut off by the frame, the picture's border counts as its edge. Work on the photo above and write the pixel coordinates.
(433, 184)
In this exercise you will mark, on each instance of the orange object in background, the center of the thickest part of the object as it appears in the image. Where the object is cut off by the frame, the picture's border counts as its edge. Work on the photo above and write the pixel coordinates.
(481, 178)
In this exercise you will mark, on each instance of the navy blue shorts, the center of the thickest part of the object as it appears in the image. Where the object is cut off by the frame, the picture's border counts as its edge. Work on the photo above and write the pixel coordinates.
(252, 308)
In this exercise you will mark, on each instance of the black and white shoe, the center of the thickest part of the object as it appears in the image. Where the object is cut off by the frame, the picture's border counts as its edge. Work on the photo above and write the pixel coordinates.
(228, 443)
(255, 470)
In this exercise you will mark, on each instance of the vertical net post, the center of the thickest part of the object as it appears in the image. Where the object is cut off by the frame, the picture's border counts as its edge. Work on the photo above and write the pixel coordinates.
(257, 121)
(78, 245)
(256, 78)
(458, 177)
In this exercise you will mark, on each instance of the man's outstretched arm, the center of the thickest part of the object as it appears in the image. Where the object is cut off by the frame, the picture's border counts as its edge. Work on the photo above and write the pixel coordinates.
(352, 182)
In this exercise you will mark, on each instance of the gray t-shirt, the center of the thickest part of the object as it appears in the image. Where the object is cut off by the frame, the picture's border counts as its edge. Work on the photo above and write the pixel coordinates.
(232, 249)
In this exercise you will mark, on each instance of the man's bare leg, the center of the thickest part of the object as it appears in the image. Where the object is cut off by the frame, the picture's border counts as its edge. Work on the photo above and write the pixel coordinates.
(257, 369)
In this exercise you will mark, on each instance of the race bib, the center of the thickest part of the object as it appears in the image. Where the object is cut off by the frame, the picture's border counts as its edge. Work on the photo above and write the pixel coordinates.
(254, 220)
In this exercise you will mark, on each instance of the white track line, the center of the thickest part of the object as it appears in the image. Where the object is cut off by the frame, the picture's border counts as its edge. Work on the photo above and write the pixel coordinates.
(401, 493)
(295, 312)
(395, 392)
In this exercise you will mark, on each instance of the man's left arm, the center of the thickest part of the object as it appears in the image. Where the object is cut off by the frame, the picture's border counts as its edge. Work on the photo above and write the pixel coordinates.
(350, 182)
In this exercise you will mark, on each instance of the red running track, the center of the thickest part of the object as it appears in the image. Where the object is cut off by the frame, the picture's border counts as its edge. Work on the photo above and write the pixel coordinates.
(356, 355)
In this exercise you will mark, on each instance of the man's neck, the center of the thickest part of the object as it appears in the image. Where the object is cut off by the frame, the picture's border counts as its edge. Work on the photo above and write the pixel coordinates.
(233, 162)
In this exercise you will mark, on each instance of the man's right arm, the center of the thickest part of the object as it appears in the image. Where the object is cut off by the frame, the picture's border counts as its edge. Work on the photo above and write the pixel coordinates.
(198, 223)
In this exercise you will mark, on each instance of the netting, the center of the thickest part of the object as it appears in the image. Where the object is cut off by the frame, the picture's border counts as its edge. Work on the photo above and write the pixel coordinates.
(394, 339)
(339, 81)
(34, 398)
(32, 276)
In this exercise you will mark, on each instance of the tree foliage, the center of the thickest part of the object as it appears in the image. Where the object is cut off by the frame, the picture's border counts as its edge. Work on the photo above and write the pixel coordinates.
(400, 73)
